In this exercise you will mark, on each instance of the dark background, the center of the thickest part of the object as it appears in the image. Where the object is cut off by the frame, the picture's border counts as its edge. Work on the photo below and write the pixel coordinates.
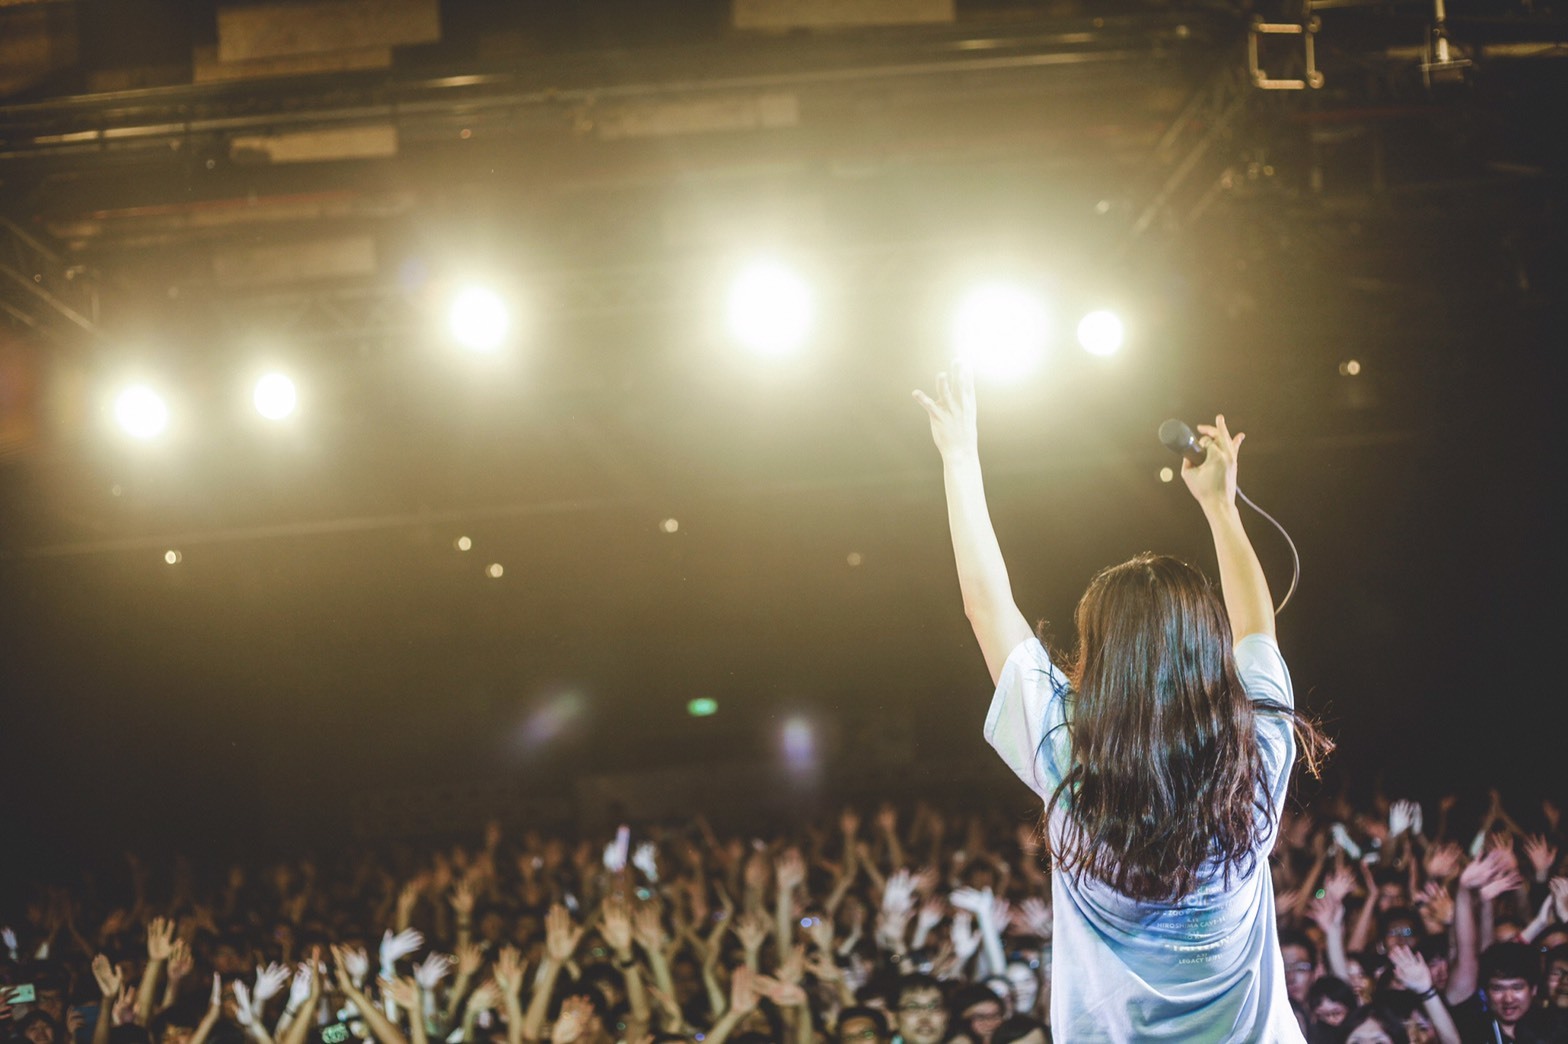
(322, 640)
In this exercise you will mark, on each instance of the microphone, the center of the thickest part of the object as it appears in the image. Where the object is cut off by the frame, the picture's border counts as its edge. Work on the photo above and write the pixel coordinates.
(1179, 439)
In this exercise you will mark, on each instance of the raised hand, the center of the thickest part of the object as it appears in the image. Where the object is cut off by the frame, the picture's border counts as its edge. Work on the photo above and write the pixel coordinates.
(109, 977)
(752, 931)
(160, 939)
(1411, 968)
(648, 927)
(966, 937)
(429, 972)
(976, 900)
(1033, 917)
(1559, 887)
(646, 859)
(1327, 913)
(1401, 817)
(898, 895)
(125, 1006)
(1442, 861)
(1436, 906)
(784, 994)
(470, 958)
(462, 899)
(271, 979)
(952, 411)
(1507, 882)
(615, 924)
(789, 870)
(930, 914)
(395, 947)
(1214, 481)
(509, 971)
(1486, 869)
(1542, 856)
(302, 985)
(181, 962)
(561, 936)
(404, 992)
(356, 960)
(743, 991)
(572, 1021)
(485, 997)
(247, 1010)
(614, 857)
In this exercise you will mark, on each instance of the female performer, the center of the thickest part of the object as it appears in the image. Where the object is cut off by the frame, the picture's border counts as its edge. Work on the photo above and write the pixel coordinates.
(1161, 748)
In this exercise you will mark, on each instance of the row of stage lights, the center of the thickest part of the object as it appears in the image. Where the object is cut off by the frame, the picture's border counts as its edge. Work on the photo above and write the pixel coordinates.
(1002, 329)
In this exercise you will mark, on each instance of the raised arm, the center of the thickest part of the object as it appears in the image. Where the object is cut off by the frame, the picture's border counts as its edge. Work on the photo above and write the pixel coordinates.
(982, 575)
(1213, 485)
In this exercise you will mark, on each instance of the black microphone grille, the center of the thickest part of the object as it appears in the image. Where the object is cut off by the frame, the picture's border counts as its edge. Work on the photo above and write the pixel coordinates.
(1176, 436)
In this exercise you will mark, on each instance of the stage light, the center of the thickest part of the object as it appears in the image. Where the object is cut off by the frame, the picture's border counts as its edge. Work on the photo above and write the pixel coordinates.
(799, 743)
(1167, 474)
(462, 543)
(1350, 368)
(494, 570)
(479, 319)
(854, 559)
(1101, 333)
(1001, 329)
(172, 557)
(702, 707)
(771, 308)
(670, 525)
(141, 412)
(275, 396)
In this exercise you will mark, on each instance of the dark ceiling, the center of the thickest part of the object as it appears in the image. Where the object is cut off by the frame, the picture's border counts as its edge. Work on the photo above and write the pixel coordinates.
(605, 163)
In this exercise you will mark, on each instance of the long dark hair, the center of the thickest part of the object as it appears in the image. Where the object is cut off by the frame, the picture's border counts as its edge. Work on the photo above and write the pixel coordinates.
(1166, 772)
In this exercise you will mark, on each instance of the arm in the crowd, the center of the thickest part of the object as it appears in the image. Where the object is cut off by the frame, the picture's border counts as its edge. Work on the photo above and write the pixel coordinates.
(1366, 919)
(176, 969)
(1417, 977)
(462, 901)
(1213, 485)
(560, 942)
(1328, 913)
(982, 574)
(509, 977)
(742, 1002)
(469, 960)
(1464, 977)
(887, 825)
(209, 1018)
(110, 981)
(648, 929)
(615, 925)
(483, 998)
(383, 1028)
(789, 873)
(300, 1016)
(160, 945)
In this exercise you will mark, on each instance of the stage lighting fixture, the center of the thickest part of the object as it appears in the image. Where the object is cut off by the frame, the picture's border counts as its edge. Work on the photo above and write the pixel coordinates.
(141, 412)
(275, 396)
(462, 543)
(1167, 474)
(494, 570)
(771, 308)
(1101, 333)
(479, 319)
(172, 557)
(670, 525)
(702, 707)
(1001, 329)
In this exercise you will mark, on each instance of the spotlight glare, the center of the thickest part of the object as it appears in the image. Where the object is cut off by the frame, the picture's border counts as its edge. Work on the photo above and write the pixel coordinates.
(771, 308)
(1001, 330)
(1101, 333)
(479, 319)
(1167, 474)
(494, 570)
(670, 525)
(141, 412)
(172, 557)
(275, 396)
(702, 707)
(462, 543)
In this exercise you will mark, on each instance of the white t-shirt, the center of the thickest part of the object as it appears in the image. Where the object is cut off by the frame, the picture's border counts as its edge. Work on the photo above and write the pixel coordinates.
(1204, 969)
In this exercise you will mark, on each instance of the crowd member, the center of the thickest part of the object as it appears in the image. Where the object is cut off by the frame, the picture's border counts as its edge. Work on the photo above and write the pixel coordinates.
(912, 927)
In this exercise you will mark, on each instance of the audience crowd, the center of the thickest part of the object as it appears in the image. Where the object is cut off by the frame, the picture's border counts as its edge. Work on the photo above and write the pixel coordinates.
(916, 924)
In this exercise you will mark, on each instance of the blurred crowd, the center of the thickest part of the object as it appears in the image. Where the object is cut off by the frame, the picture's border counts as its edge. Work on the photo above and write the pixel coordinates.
(916, 924)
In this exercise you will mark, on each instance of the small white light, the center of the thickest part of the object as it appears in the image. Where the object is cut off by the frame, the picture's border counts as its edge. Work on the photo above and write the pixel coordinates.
(1001, 330)
(670, 525)
(479, 319)
(1167, 474)
(1350, 368)
(1101, 333)
(275, 396)
(771, 308)
(141, 412)
(172, 557)
(494, 570)
(462, 543)
(855, 558)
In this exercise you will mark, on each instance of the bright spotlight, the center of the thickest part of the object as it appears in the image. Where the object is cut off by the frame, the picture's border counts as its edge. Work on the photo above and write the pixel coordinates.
(275, 396)
(1001, 329)
(479, 319)
(141, 412)
(1101, 333)
(771, 308)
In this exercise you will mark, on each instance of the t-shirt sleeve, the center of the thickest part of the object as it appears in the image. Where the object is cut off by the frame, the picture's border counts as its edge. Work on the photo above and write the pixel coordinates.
(1265, 677)
(1025, 724)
